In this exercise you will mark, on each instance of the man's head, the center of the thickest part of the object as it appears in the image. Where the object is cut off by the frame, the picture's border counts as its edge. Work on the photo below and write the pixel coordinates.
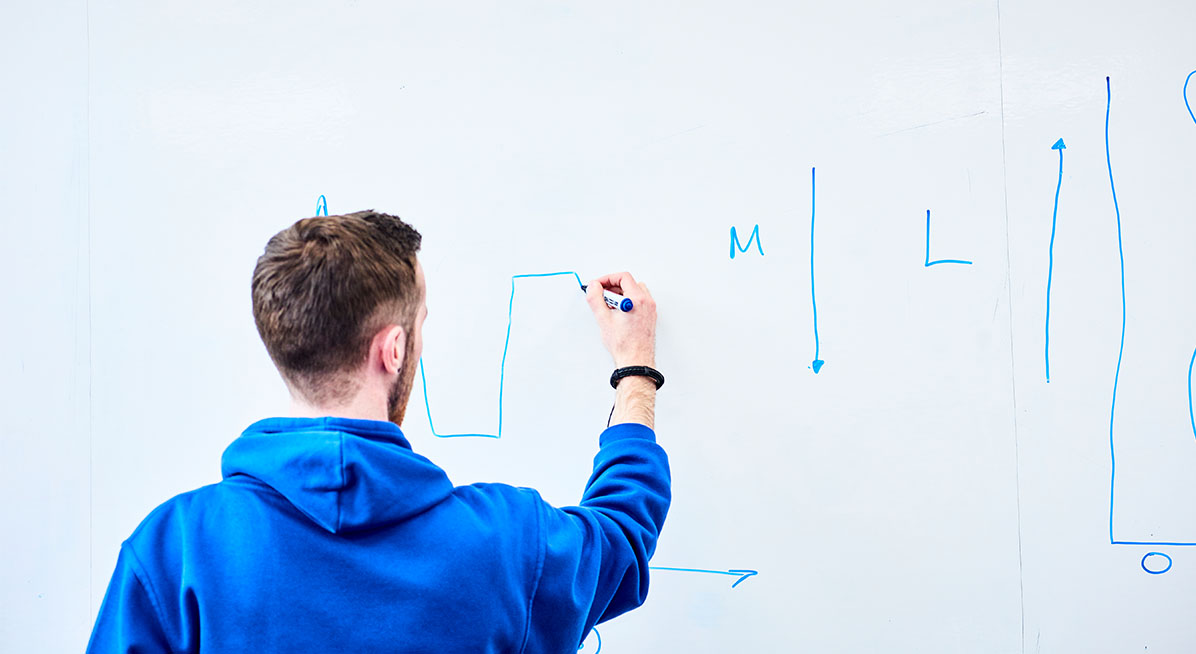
(339, 303)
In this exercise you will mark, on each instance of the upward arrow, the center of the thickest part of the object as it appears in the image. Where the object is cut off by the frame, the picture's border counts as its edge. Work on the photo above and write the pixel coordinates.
(1060, 146)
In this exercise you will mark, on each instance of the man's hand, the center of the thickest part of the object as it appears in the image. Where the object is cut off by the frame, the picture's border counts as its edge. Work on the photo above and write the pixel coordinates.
(630, 336)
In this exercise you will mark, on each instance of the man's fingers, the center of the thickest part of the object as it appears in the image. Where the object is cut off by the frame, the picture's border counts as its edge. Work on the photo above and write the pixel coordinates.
(617, 282)
(595, 300)
(635, 291)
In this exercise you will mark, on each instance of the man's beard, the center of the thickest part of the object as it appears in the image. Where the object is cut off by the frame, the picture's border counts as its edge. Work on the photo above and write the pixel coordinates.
(400, 391)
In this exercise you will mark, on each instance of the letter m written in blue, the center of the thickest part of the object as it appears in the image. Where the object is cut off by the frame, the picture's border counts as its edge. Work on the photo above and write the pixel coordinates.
(755, 236)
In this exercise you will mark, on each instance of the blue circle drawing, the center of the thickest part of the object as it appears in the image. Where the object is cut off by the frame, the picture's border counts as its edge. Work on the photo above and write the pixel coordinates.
(1156, 572)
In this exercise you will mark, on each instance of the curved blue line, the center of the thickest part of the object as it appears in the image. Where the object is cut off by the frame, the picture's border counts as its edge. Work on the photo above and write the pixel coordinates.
(1121, 347)
(1191, 413)
(502, 369)
(1186, 103)
(596, 635)
(1156, 572)
(322, 205)
(1051, 268)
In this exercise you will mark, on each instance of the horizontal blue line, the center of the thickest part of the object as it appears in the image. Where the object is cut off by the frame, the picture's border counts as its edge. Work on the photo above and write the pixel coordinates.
(742, 574)
(931, 263)
(713, 572)
(1151, 542)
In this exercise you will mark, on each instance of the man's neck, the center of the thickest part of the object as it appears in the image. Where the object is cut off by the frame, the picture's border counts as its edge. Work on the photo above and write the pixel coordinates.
(356, 409)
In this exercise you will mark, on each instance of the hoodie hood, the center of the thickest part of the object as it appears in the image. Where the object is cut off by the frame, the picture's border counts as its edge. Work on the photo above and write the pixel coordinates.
(344, 474)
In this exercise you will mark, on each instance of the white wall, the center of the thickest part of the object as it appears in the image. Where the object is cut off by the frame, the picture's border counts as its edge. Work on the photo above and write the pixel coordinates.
(926, 491)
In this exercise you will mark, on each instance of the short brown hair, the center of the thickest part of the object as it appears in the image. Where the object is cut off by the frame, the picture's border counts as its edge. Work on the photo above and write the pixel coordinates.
(324, 287)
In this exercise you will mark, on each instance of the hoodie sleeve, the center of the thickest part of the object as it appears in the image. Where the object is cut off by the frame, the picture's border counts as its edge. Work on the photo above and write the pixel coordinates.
(595, 560)
(128, 619)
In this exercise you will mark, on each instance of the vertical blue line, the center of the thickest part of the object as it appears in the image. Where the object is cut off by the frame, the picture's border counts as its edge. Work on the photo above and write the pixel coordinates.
(502, 369)
(1186, 102)
(1051, 268)
(927, 262)
(816, 365)
(1121, 347)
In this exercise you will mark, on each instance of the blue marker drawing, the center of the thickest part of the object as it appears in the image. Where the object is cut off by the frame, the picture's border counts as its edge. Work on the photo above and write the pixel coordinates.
(593, 630)
(1186, 102)
(1121, 347)
(1120, 353)
(1156, 572)
(1191, 413)
(322, 206)
(755, 236)
(930, 263)
(1051, 266)
(817, 363)
(502, 370)
(742, 574)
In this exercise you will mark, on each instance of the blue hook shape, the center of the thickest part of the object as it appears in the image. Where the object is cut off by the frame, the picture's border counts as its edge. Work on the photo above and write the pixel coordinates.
(593, 630)
(936, 262)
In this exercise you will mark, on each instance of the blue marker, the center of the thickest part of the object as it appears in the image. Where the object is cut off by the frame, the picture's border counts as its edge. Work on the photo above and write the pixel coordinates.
(614, 300)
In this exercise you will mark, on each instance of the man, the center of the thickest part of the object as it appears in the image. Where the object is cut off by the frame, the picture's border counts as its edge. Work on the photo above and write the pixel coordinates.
(328, 533)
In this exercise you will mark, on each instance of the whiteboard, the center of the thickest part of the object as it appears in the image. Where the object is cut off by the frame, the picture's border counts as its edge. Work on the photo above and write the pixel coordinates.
(899, 216)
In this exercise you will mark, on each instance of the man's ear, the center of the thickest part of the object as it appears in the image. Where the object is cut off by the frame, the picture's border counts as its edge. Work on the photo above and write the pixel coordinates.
(393, 347)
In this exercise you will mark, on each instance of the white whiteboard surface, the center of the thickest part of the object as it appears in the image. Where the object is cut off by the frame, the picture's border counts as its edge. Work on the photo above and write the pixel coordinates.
(926, 491)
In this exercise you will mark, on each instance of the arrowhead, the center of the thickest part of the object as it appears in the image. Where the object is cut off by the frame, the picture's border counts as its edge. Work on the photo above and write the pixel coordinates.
(817, 365)
(1059, 145)
(744, 574)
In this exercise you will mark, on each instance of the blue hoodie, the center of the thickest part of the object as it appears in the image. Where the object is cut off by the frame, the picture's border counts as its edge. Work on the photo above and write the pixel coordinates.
(331, 534)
